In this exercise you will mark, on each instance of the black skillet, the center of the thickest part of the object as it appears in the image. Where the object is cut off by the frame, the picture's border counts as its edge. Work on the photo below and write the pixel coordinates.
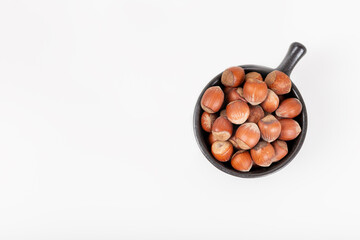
(295, 53)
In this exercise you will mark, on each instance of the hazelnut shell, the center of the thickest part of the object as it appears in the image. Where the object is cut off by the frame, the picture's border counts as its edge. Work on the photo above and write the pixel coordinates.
(212, 100)
(233, 77)
(271, 102)
(289, 108)
(256, 113)
(237, 111)
(255, 91)
(222, 129)
(262, 154)
(232, 95)
(222, 150)
(290, 129)
(207, 120)
(254, 75)
(247, 135)
(211, 139)
(242, 161)
(270, 128)
(279, 82)
(281, 150)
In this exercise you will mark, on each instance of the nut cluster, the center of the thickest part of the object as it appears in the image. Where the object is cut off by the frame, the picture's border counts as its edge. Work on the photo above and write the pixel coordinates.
(249, 119)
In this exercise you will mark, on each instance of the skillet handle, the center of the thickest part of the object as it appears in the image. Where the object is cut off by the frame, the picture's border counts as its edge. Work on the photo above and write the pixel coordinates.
(295, 53)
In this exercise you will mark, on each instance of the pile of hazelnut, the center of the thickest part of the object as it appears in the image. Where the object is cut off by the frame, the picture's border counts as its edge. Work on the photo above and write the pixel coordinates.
(254, 119)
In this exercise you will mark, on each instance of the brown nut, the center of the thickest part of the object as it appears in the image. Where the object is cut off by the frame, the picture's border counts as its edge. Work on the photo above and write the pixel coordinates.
(232, 95)
(242, 161)
(237, 111)
(233, 76)
(290, 129)
(289, 108)
(222, 129)
(255, 91)
(270, 128)
(256, 113)
(232, 140)
(254, 75)
(227, 89)
(262, 154)
(281, 150)
(221, 150)
(211, 139)
(207, 120)
(271, 102)
(279, 82)
(247, 135)
(240, 91)
(212, 99)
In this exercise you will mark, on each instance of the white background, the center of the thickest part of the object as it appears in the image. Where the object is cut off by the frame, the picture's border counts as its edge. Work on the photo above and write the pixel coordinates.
(96, 104)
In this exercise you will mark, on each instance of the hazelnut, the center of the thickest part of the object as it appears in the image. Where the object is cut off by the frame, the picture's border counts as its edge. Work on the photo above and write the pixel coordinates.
(254, 75)
(242, 161)
(240, 91)
(279, 82)
(290, 129)
(281, 150)
(227, 89)
(207, 120)
(256, 113)
(222, 129)
(237, 111)
(247, 135)
(232, 95)
(289, 108)
(212, 99)
(262, 154)
(255, 91)
(233, 76)
(221, 150)
(270, 128)
(271, 102)
(223, 113)
(232, 140)
(211, 138)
